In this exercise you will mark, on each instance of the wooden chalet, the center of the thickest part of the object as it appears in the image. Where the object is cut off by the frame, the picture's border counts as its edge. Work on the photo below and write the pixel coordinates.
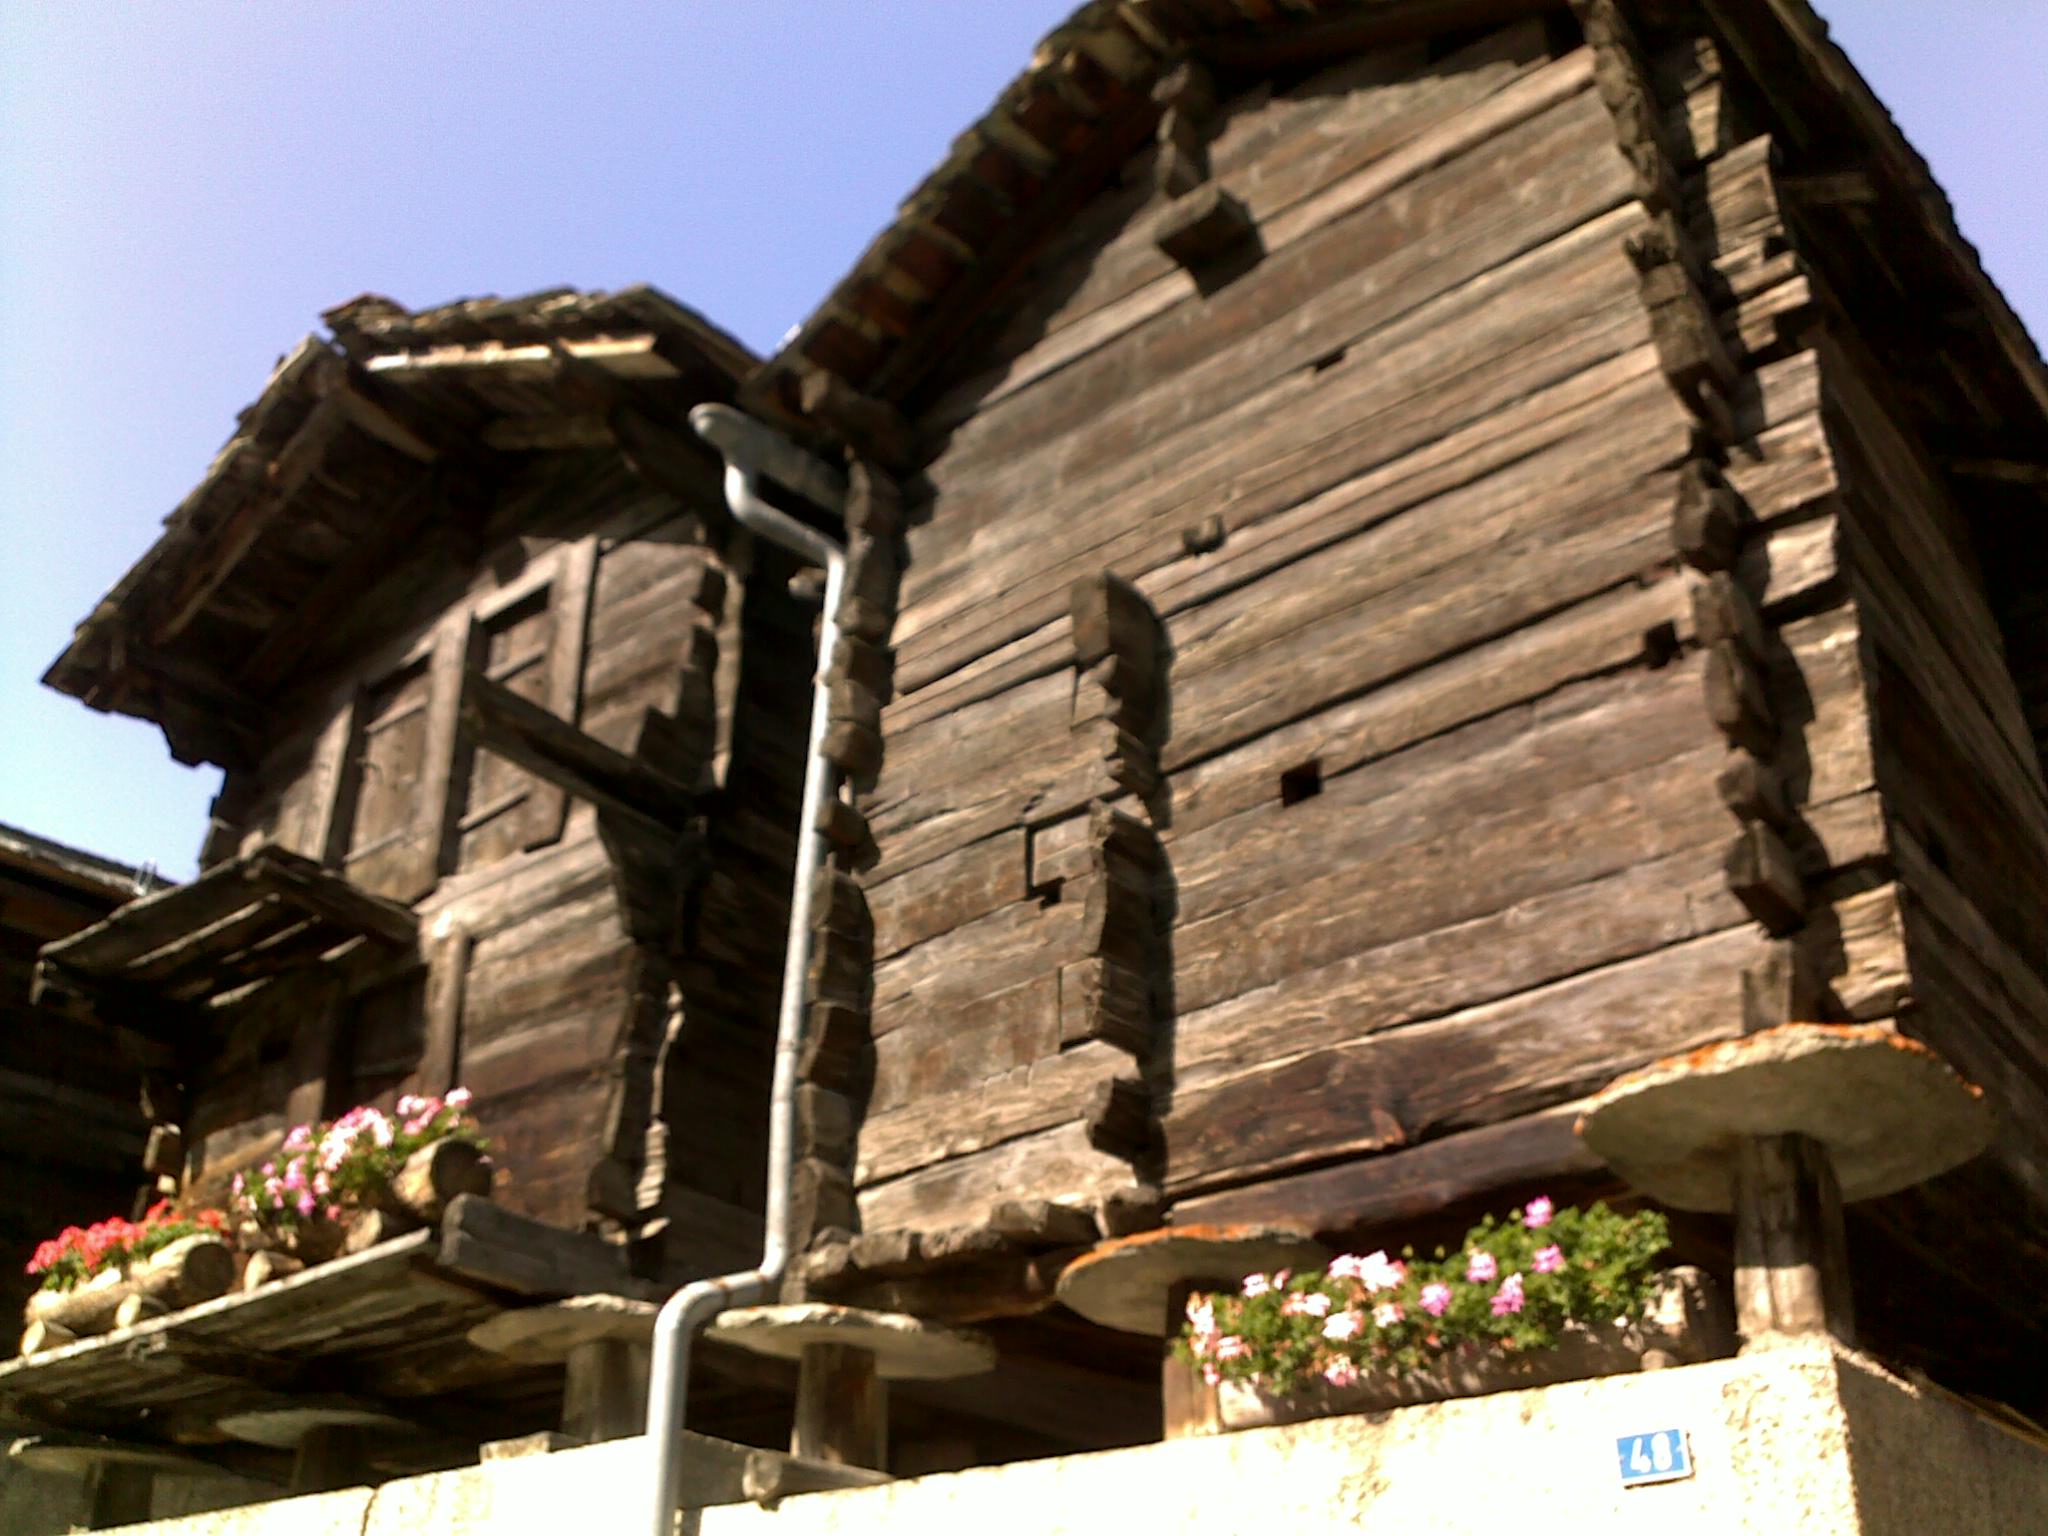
(1404, 558)
(71, 1134)
(508, 804)
(1448, 550)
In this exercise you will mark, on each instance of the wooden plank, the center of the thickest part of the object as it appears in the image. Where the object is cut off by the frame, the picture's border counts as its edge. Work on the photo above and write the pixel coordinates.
(1603, 410)
(1538, 319)
(482, 1241)
(570, 597)
(303, 885)
(1403, 131)
(944, 894)
(1395, 1188)
(1057, 1164)
(1474, 1067)
(548, 746)
(448, 960)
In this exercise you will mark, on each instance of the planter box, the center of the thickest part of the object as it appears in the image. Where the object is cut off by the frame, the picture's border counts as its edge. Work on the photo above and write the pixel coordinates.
(1689, 1322)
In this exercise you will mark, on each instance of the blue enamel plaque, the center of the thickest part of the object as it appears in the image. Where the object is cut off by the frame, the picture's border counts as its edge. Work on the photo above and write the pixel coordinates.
(1657, 1456)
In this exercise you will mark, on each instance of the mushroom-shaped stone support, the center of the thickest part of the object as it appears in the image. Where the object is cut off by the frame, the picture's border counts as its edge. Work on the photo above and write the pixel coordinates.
(602, 1342)
(844, 1355)
(330, 1436)
(1782, 1128)
(1141, 1284)
(119, 1475)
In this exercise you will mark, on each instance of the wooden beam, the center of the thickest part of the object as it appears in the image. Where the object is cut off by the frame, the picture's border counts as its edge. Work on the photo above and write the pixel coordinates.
(313, 618)
(1407, 1185)
(482, 1241)
(1259, 51)
(544, 744)
(301, 883)
(238, 532)
(447, 971)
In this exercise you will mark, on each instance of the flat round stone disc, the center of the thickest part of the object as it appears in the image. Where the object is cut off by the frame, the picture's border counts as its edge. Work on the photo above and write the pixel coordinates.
(78, 1454)
(1890, 1112)
(905, 1348)
(283, 1427)
(1128, 1282)
(544, 1335)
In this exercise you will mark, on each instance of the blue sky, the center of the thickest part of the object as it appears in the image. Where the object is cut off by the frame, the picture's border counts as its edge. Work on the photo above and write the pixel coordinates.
(184, 186)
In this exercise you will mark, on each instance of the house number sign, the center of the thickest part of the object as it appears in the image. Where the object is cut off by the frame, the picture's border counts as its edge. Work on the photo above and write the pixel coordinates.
(1654, 1456)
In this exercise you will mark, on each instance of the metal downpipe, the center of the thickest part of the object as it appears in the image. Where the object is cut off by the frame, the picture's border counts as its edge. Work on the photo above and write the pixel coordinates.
(751, 451)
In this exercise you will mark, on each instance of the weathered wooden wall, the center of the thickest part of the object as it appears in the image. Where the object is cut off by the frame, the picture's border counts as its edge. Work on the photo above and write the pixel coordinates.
(71, 1136)
(563, 984)
(1440, 843)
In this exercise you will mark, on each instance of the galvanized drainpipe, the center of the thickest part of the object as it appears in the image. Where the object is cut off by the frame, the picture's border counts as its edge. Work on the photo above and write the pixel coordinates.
(752, 451)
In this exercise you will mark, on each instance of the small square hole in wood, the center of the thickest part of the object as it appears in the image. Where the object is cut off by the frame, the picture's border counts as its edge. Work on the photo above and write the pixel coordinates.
(1301, 783)
(1050, 891)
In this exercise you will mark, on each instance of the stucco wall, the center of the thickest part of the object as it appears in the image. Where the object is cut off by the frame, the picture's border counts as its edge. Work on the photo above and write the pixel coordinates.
(1801, 1440)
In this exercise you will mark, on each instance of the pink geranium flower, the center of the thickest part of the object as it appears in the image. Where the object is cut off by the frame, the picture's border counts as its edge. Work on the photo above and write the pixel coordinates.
(1549, 1260)
(1509, 1297)
(1481, 1267)
(1345, 1325)
(1257, 1285)
(1537, 1212)
(1231, 1347)
(1436, 1298)
(1305, 1304)
(1381, 1273)
(1386, 1314)
(1341, 1372)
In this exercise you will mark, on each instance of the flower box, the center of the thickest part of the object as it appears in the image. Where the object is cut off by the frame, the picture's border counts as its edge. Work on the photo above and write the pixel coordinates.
(1688, 1321)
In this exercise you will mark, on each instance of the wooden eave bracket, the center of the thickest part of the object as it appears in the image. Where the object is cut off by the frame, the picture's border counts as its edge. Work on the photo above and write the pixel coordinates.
(153, 963)
(549, 747)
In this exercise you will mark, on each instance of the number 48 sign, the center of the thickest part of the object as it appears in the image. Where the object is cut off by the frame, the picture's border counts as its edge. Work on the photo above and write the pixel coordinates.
(1658, 1456)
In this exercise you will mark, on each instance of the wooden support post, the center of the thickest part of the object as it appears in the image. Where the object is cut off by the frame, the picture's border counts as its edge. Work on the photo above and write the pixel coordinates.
(605, 1394)
(1791, 1257)
(842, 1412)
(1187, 1406)
(118, 1493)
(330, 1457)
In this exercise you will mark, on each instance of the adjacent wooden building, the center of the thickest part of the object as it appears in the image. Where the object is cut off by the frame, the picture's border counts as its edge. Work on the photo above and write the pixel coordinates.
(1448, 550)
(1405, 559)
(71, 1135)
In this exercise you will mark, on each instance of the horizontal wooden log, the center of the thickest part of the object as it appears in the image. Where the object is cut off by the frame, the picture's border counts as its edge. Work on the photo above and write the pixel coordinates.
(941, 895)
(481, 1240)
(1467, 1069)
(835, 1044)
(874, 428)
(1101, 999)
(1120, 1117)
(1043, 1222)
(553, 749)
(438, 1173)
(1765, 878)
(1737, 702)
(825, 1124)
(1203, 226)
(182, 1274)
(1707, 519)
(874, 501)
(1752, 789)
(1410, 1185)
(1058, 1164)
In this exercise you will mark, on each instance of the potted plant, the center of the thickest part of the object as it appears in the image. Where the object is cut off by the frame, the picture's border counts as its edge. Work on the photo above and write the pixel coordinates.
(1546, 1295)
(366, 1172)
(116, 1272)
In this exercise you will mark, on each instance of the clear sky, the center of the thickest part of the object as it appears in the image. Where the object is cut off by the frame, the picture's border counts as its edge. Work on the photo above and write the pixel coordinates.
(185, 184)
